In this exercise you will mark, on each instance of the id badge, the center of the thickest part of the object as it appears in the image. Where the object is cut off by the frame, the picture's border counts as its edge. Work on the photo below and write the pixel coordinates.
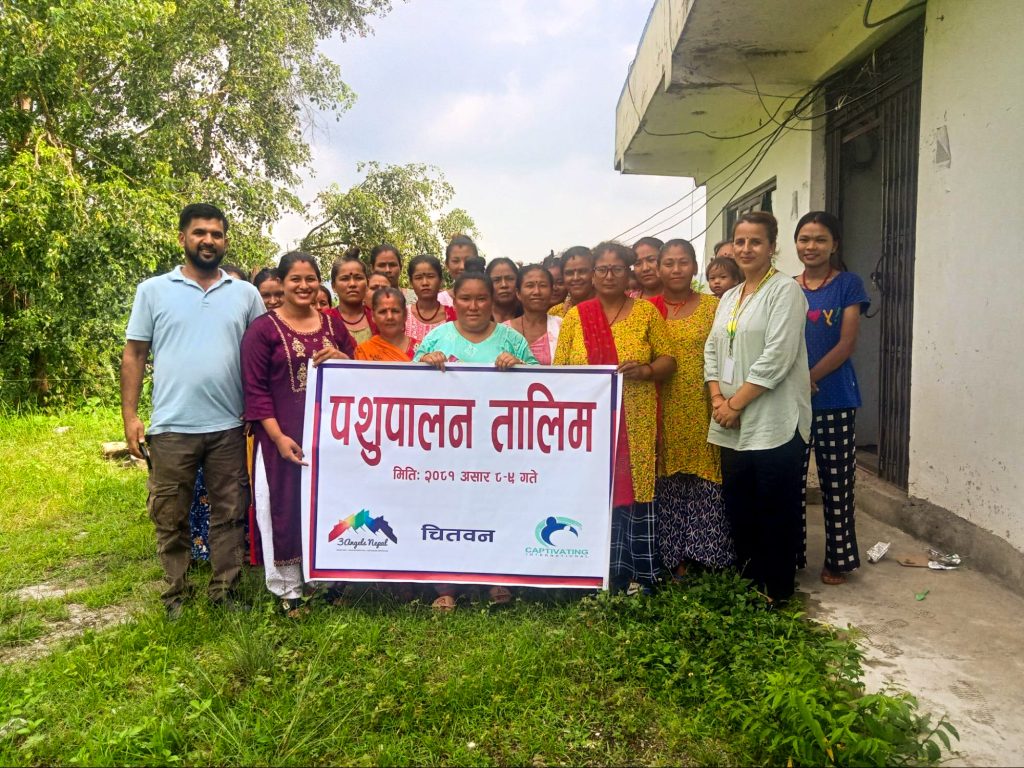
(728, 369)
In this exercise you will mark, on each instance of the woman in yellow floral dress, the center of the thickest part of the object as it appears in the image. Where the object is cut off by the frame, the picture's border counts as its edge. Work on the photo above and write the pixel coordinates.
(691, 522)
(613, 329)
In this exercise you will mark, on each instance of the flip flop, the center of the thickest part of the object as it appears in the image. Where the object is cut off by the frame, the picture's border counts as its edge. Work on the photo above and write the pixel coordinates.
(444, 604)
(500, 595)
(832, 579)
(293, 608)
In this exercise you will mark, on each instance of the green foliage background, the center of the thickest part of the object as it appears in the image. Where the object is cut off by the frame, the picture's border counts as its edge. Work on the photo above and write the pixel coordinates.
(113, 115)
(403, 205)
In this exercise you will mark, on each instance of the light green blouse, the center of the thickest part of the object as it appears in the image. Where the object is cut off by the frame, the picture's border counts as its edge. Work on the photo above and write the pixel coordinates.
(769, 350)
(446, 338)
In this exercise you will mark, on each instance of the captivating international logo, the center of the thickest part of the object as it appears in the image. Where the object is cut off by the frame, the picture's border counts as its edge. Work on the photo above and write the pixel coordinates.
(557, 535)
(362, 519)
(556, 525)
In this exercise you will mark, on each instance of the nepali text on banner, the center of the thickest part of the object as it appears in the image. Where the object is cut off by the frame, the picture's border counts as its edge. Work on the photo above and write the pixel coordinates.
(472, 475)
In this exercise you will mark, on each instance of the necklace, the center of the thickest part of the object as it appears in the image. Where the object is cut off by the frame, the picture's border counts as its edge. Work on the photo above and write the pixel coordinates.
(433, 317)
(677, 306)
(298, 320)
(619, 311)
(543, 325)
(828, 278)
(345, 320)
(737, 310)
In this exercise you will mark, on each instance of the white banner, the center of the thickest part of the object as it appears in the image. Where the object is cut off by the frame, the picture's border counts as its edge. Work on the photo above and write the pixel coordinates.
(472, 475)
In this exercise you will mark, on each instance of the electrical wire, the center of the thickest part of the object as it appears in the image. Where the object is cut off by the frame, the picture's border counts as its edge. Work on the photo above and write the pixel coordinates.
(749, 169)
(692, 192)
(890, 17)
(694, 132)
(708, 198)
(735, 196)
(765, 143)
(759, 144)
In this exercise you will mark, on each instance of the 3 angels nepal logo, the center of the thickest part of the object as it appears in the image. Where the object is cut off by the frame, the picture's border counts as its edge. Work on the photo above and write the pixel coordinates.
(556, 535)
(362, 519)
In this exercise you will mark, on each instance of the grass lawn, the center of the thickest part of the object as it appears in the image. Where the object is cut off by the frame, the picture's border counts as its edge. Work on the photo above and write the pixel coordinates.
(93, 674)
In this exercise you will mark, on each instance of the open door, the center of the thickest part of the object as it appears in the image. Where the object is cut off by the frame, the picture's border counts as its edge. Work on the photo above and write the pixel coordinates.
(871, 143)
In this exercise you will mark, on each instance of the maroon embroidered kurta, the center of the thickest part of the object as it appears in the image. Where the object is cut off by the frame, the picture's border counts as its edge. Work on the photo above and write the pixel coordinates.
(274, 359)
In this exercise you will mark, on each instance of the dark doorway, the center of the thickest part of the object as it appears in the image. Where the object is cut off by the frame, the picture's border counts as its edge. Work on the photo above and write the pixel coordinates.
(872, 145)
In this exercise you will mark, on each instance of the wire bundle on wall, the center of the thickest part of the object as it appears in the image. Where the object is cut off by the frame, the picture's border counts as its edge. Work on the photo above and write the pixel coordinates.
(761, 147)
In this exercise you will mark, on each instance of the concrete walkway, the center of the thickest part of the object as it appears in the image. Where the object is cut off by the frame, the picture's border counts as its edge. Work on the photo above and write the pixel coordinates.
(960, 651)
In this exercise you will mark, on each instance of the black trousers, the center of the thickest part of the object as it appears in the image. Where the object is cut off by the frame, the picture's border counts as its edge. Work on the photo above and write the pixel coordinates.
(763, 497)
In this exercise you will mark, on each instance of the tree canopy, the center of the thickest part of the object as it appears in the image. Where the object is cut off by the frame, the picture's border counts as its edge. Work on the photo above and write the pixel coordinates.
(113, 114)
(404, 205)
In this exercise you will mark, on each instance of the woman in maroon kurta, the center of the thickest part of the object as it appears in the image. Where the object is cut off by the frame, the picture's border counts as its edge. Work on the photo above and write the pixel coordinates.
(275, 352)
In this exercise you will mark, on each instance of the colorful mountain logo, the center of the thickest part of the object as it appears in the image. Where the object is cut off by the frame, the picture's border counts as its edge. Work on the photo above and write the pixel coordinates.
(362, 519)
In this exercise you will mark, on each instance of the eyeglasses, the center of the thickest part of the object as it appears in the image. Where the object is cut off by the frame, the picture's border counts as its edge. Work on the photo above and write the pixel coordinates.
(618, 270)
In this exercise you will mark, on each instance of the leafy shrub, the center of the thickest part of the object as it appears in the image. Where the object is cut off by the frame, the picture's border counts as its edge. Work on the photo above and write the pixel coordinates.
(790, 688)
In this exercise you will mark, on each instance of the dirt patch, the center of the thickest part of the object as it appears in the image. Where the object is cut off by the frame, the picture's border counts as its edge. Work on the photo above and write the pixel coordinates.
(78, 621)
(48, 591)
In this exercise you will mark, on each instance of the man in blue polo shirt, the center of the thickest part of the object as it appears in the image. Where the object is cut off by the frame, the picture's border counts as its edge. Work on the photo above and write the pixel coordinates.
(192, 320)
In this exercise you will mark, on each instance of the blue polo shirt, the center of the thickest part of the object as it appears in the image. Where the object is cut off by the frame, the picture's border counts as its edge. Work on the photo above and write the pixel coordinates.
(195, 337)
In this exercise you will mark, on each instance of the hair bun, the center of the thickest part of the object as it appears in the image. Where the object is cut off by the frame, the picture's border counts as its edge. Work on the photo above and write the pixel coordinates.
(353, 252)
(475, 265)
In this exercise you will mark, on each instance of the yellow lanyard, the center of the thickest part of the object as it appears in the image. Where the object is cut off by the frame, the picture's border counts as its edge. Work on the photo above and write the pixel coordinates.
(737, 310)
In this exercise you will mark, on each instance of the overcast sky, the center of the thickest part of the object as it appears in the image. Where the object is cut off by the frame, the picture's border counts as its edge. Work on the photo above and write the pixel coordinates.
(514, 100)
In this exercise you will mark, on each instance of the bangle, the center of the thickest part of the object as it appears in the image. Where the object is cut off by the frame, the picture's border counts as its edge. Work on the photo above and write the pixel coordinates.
(728, 402)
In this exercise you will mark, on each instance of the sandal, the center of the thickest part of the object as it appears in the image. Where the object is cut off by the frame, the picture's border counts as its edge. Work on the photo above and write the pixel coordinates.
(443, 604)
(293, 608)
(499, 595)
(337, 597)
(831, 578)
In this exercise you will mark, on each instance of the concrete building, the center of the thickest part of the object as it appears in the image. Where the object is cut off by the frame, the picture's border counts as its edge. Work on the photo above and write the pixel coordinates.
(906, 119)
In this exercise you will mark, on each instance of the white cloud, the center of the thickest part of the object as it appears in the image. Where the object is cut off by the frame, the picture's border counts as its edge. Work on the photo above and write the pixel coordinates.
(485, 119)
(524, 134)
(524, 213)
(523, 22)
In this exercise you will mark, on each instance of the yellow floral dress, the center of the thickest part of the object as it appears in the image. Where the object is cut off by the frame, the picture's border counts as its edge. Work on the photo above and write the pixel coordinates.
(691, 523)
(641, 335)
(561, 310)
(685, 403)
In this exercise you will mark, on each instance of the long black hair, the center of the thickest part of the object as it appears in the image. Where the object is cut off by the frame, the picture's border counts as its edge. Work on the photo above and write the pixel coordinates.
(290, 259)
(384, 248)
(465, 277)
(832, 224)
(424, 258)
(267, 273)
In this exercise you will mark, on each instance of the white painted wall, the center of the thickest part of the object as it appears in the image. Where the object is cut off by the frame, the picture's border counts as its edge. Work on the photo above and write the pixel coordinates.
(967, 424)
(793, 161)
(967, 427)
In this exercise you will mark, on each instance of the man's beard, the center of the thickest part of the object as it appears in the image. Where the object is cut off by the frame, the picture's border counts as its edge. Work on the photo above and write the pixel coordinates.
(204, 265)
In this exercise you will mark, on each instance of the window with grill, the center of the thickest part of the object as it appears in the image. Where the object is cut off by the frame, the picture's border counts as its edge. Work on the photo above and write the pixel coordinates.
(759, 199)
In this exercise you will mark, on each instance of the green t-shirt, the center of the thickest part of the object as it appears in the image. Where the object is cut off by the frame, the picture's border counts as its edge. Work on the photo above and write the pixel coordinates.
(446, 338)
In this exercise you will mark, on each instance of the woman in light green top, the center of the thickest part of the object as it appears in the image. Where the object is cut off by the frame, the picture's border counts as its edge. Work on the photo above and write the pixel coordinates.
(755, 366)
(473, 337)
